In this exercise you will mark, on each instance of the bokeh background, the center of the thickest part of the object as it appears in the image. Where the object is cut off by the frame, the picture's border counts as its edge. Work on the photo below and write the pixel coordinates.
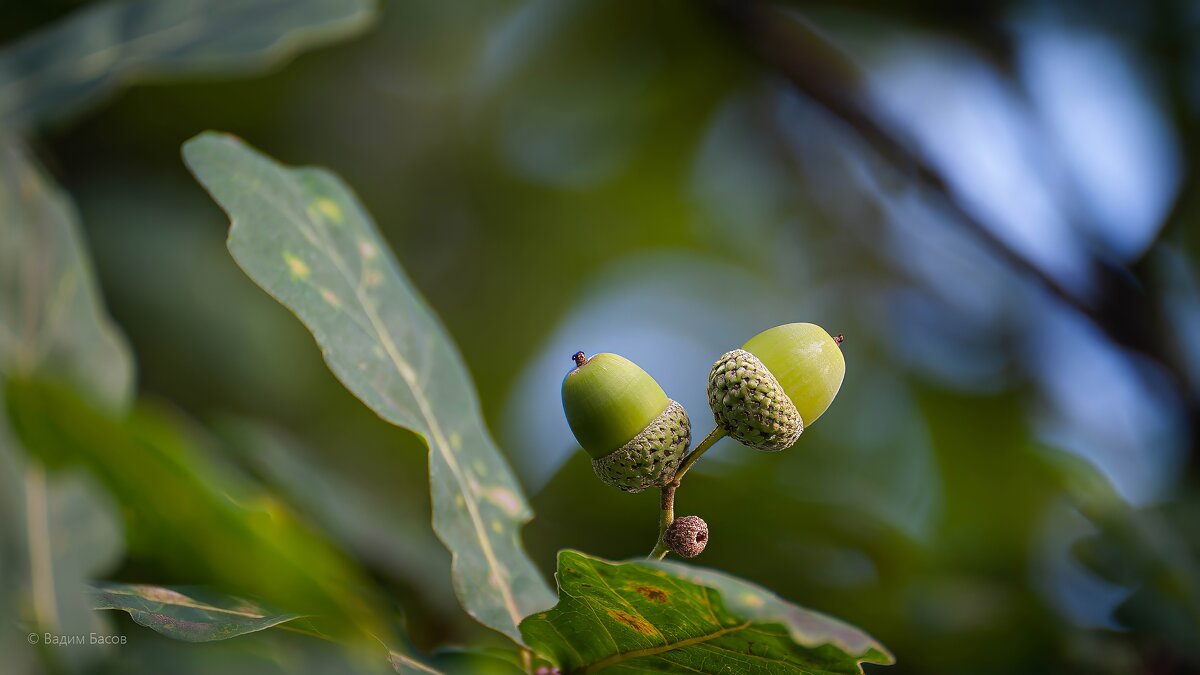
(995, 202)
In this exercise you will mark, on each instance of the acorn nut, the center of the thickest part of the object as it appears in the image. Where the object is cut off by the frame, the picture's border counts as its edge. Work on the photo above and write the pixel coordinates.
(686, 536)
(635, 434)
(780, 381)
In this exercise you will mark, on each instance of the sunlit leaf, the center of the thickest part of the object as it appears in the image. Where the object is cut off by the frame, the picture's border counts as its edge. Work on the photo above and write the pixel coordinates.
(806, 627)
(302, 235)
(97, 49)
(187, 615)
(639, 617)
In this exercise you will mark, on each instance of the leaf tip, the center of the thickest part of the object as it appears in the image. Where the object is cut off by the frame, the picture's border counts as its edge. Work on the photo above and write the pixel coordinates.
(193, 146)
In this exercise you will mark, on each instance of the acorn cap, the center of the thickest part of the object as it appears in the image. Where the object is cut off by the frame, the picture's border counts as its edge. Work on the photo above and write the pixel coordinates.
(652, 457)
(806, 361)
(750, 404)
(608, 401)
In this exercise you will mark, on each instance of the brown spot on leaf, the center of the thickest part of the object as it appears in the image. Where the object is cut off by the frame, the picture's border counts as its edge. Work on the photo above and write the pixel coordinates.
(652, 594)
(636, 623)
(180, 625)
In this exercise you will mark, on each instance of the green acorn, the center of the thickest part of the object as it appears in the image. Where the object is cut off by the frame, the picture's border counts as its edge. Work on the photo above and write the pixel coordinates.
(780, 381)
(635, 434)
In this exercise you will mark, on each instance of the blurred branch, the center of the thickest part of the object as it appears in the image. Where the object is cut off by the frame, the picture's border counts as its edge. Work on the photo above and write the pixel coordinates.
(1119, 305)
(822, 72)
(1171, 43)
(1171, 40)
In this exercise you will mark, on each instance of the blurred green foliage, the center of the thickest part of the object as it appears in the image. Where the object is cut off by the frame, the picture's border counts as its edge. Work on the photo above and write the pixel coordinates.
(665, 180)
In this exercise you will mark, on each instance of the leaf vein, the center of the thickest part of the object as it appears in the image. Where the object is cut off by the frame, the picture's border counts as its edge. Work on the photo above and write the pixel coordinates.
(438, 439)
(652, 651)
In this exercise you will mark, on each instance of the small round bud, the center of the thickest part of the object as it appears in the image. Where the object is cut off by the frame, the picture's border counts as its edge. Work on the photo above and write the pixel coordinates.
(686, 536)
(779, 382)
(636, 436)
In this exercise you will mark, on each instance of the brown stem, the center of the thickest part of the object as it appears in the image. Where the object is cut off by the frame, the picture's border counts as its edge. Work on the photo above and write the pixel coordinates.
(667, 505)
(666, 516)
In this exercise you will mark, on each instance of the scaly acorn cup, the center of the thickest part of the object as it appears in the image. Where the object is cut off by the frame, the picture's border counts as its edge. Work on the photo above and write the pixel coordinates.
(780, 381)
(635, 434)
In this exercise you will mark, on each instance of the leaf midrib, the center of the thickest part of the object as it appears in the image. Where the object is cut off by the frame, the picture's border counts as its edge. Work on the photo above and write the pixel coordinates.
(37, 514)
(196, 605)
(408, 375)
(651, 651)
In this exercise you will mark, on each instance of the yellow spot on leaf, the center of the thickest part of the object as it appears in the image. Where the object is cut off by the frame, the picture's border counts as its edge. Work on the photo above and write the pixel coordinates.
(459, 501)
(752, 600)
(296, 266)
(374, 278)
(329, 209)
(497, 527)
(331, 297)
(455, 440)
(505, 499)
(479, 466)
